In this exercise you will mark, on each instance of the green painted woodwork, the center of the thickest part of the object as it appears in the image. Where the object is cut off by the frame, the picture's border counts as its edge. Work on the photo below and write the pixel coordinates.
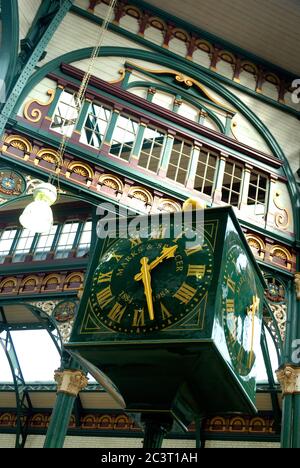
(111, 126)
(58, 92)
(166, 154)
(197, 354)
(138, 141)
(83, 115)
(59, 421)
(31, 63)
(220, 175)
(193, 166)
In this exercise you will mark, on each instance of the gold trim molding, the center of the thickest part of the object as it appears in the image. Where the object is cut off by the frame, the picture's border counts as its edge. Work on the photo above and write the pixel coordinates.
(289, 379)
(35, 114)
(70, 382)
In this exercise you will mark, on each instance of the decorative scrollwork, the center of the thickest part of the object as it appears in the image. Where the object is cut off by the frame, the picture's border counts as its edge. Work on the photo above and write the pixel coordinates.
(184, 79)
(34, 114)
(282, 220)
(45, 306)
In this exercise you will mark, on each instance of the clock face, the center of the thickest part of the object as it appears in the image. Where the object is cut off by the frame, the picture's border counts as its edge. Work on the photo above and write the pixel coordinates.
(147, 284)
(241, 310)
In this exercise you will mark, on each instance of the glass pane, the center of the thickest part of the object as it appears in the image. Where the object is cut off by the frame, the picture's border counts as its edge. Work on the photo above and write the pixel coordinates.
(23, 246)
(6, 241)
(66, 240)
(44, 244)
(65, 115)
(95, 125)
(37, 355)
(85, 240)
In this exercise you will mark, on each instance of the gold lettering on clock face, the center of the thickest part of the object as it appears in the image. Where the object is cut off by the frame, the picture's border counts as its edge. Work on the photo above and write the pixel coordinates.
(103, 277)
(117, 312)
(138, 318)
(185, 293)
(164, 312)
(104, 297)
(147, 284)
(196, 270)
(193, 250)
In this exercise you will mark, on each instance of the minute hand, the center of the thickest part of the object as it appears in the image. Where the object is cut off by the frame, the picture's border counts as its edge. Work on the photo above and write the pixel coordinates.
(168, 252)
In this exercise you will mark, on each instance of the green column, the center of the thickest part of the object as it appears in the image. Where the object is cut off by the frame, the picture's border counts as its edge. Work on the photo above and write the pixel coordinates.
(111, 127)
(296, 420)
(219, 177)
(82, 116)
(166, 155)
(193, 165)
(156, 426)
(70, 382)
(138, 142)
(245, 185)
(287, 418)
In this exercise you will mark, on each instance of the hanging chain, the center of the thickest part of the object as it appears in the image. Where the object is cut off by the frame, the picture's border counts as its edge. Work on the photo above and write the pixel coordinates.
(79, 96)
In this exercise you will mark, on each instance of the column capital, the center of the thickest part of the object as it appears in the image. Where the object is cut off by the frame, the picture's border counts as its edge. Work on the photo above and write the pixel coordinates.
(289, 379)
(297, 285)
(70, 382)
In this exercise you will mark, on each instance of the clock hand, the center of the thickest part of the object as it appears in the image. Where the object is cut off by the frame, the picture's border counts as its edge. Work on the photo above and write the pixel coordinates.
(146, 278)
(253, 308)
(167, 252)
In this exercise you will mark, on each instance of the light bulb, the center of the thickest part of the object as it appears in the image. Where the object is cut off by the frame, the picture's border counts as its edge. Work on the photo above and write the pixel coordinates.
(38, 216)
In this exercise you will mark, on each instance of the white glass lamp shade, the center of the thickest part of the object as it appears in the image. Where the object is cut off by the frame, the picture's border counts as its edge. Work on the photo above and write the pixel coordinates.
(38, 216)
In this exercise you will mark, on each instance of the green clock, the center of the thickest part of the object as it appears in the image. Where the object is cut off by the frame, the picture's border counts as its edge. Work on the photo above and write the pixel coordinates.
(241, 306)
(174, 318)
(146, 284)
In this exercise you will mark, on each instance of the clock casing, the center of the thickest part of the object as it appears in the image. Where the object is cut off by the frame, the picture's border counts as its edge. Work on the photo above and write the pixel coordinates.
(196, 354)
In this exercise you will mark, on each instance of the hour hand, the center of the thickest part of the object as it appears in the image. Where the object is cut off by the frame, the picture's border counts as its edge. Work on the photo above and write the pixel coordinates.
(167, 252)
(146, 278)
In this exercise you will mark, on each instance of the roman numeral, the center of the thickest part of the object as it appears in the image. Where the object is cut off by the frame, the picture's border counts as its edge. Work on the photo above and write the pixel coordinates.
(138, 318)
(164, 312)
(193, 250)
(103, 277)
(231, 284)
(117, 313)
(104, 297)
(134, 241)
(185, 293)
(229, 305)
(196, 270)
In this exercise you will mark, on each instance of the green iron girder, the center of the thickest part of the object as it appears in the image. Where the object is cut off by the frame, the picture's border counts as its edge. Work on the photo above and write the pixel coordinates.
(9, 43)
(23, 402)
(33, 58)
